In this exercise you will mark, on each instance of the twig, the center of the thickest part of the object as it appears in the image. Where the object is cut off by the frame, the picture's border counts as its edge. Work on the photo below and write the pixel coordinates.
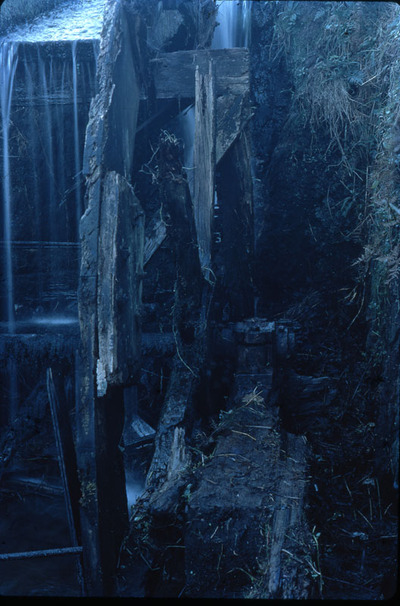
(365, 518)
(51, 392)
(342, 581)
(348, 489)
(244, 434)
(379, 498)
(41, 553)
(181, 359)
(291, 555)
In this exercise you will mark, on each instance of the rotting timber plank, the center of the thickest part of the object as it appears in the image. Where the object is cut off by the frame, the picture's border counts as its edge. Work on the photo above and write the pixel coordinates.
(204, 161)
(232, 115)
(111, 207)
(174, 73)
(170, 455)
(288, 514)
(156, 232)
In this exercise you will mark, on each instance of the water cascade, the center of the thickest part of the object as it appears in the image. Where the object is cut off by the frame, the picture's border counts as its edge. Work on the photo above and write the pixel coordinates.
(53, 84)
(47, 73)
(76, 133)
(47, 80)
(8, 65)
(234, 24)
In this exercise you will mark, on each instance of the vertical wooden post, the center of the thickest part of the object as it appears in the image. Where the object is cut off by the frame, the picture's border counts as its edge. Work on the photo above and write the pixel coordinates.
(112, 234)
(204, 161)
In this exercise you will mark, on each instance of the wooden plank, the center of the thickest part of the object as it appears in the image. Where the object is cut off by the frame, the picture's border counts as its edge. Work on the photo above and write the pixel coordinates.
(233, 113)
(120, 267)
(112, 216)
(155, 234)
(204, 161)
(175, 73)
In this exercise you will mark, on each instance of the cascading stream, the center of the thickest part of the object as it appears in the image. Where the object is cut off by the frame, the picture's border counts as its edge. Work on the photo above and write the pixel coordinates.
(77, 155)
(43, 140)
(47, 79)
(8, 66)
(42, 145)
(234, 24)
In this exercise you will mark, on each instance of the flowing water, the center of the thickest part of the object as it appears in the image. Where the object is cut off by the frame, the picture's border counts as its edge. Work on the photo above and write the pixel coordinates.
(42, 139)
(77, 156)
(234, 24)
(41, 174)
(8, 65)
(47, 78)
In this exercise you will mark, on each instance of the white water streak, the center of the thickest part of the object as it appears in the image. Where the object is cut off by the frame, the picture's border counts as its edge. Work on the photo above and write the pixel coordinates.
(233, 18)
(8, 66)
(77, 157)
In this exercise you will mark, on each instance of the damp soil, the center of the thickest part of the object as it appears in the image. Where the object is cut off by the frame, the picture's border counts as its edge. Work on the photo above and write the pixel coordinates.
(354, 512)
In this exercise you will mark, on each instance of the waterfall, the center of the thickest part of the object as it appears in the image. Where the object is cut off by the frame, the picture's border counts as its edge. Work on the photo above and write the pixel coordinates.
(234, 24)
(48, 146)
(8, 66)
(77, 158)
(42, 153)
(47, 80)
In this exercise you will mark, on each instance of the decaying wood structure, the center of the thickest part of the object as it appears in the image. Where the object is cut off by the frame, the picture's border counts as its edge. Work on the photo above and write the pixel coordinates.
(112, 240)
(201, 432)
(115, 250)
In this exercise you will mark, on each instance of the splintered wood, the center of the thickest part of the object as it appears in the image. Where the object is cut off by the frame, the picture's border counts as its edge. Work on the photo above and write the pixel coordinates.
(204, 161)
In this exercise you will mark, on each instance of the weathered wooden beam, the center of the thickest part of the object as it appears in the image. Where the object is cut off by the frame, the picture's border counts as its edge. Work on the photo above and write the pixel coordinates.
(233, 113)
(288, 516)
(174, 73)
(170, 455)
(120, 265)
(235, 251)
(155, 234)
(107, 297)
(204, 160)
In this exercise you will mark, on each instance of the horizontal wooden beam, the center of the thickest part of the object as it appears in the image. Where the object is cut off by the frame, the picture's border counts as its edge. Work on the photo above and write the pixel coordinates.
(174, 73)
